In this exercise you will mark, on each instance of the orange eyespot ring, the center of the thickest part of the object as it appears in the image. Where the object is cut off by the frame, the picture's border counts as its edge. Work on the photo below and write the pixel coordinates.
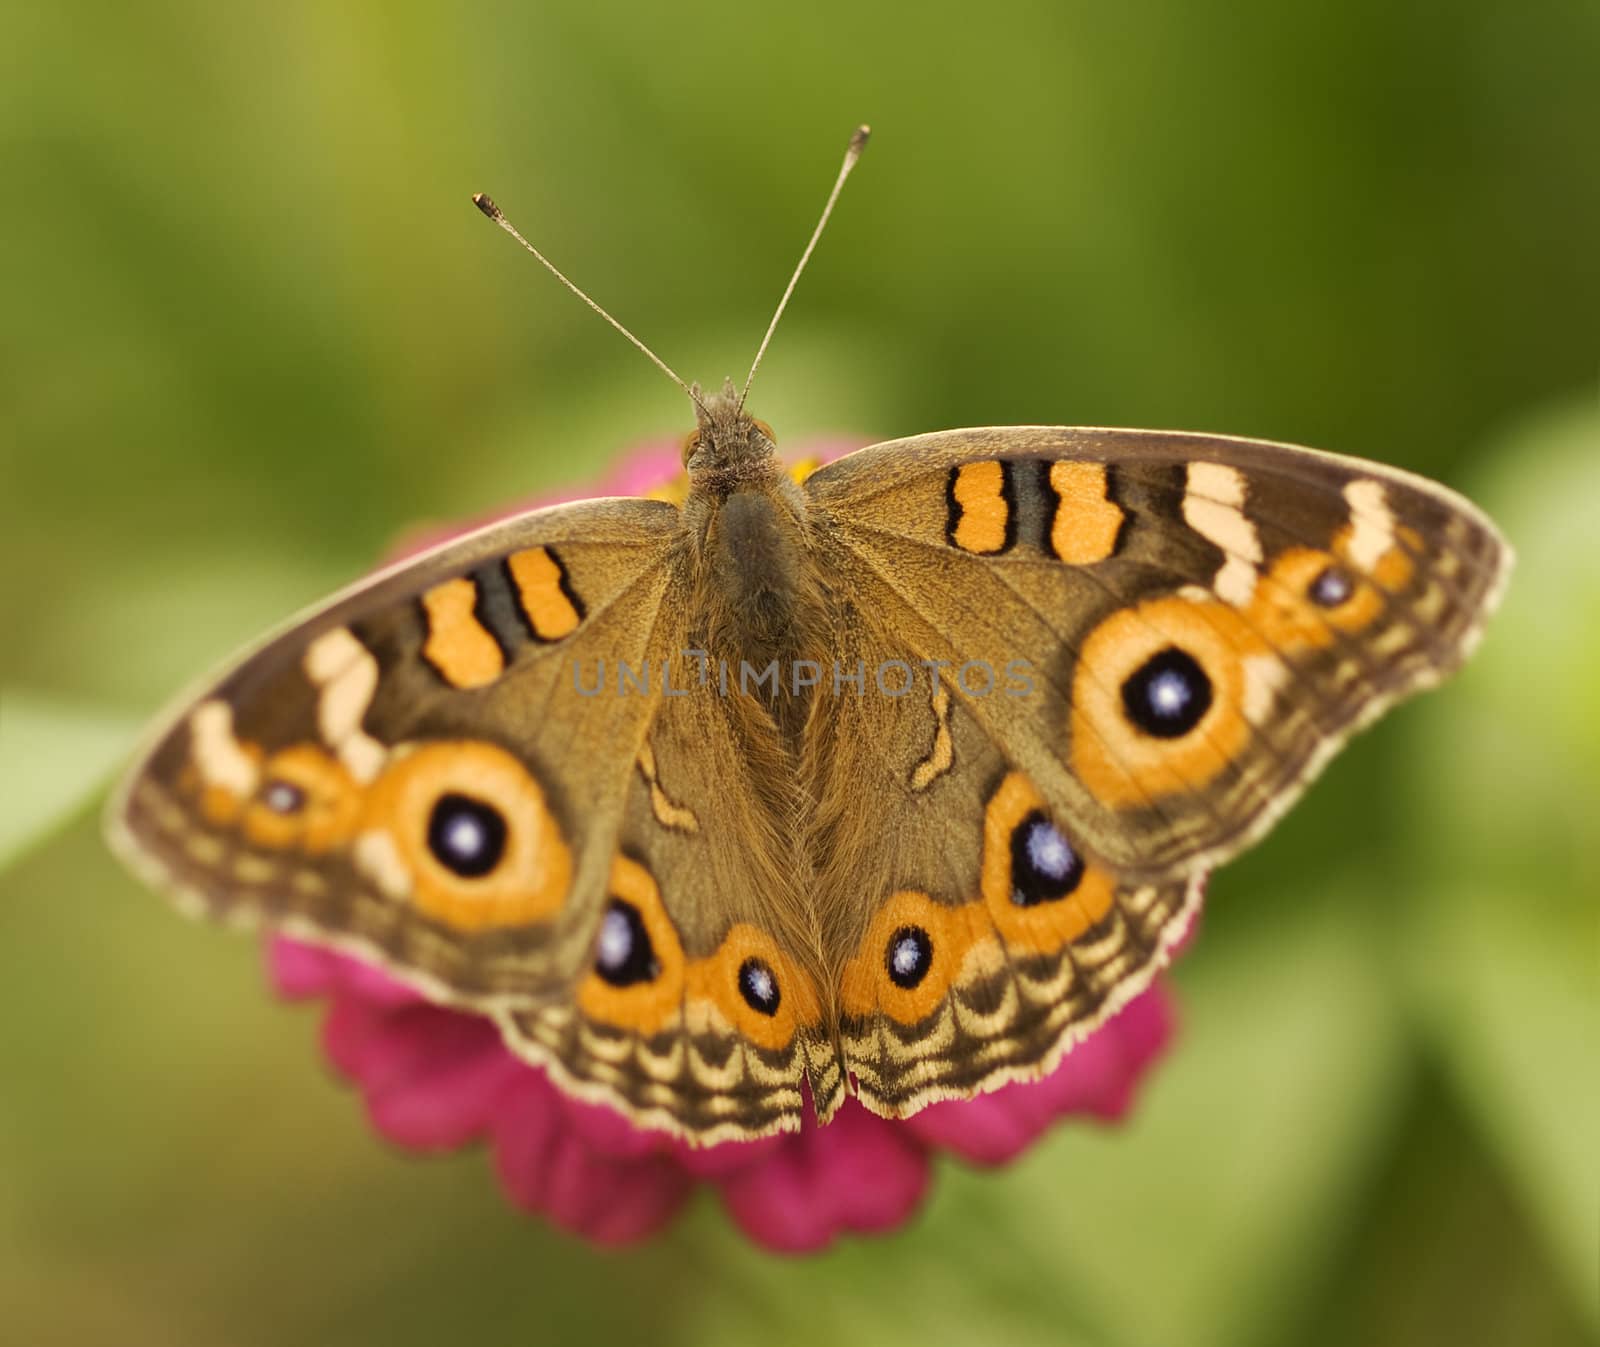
(469, 826)
(691, 442)
(649, 1004)
(307, 800)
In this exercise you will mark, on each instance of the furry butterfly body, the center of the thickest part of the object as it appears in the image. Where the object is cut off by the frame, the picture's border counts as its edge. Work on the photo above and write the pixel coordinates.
(898, 779)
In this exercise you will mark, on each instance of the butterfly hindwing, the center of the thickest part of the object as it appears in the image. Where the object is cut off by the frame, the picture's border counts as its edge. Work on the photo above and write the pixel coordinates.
(973, 937)
(699, 1010)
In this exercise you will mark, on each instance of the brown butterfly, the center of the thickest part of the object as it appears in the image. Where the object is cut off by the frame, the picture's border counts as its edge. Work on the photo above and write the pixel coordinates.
(899, 779)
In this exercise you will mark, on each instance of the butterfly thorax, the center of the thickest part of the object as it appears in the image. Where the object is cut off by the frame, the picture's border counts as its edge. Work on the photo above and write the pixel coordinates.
(756, 596)
(757, 602)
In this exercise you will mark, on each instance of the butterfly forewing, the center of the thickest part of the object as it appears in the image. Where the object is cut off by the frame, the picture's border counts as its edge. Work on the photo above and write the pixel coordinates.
(1205, 619)
(393, 774)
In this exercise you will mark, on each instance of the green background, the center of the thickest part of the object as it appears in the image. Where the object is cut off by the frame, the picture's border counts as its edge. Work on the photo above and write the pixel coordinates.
(251, 328)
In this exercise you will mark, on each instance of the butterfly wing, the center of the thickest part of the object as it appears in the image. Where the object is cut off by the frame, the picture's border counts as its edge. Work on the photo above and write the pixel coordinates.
(1205, 619)
(972, 940)
(1148, 644)
(395, 774)
(700, 1011)
(470, 771)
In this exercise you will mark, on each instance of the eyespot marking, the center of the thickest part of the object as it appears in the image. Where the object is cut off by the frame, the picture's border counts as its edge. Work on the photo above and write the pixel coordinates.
(470, 825)
(1332, 587)
(751, 986)
(908, 956)
(1315, 595)
(1044, 867)
(466, 835)
(1157, 698)
(283, 797)
(637, 981)
(307, 800)
(1192, 674)
(623, 954)
(759, 986)
(1168, 695)
(1039, 889)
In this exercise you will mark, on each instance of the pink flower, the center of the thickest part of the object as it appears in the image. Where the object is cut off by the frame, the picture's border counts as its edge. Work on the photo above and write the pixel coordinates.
(435, 1079)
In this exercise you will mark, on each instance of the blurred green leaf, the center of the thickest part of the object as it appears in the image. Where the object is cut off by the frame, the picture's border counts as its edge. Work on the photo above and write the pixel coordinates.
(1511, 1001)
(54, 756)
(1441, 1250)
(1504, 948)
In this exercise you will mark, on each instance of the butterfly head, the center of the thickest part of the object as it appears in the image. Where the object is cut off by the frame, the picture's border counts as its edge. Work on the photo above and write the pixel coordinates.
(728, 447)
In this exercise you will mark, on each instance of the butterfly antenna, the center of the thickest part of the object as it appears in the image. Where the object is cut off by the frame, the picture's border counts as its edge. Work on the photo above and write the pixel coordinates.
(485, 203)
(858, 142)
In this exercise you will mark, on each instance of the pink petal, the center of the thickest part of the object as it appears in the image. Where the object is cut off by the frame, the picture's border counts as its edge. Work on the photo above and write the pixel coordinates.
(426, 1076)
(431, 1077)
(859, 1173)
(607, 1132)
(350, 1027)
(1097, 1078)
(373, 984)
(299, 969)
(446, 1109)
(545, 1167)
(721, 1161)
(649, 466)
(610, 1133)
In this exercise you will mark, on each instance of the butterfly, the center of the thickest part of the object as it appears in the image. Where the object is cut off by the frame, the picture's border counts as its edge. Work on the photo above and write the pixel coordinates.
(894, 780)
